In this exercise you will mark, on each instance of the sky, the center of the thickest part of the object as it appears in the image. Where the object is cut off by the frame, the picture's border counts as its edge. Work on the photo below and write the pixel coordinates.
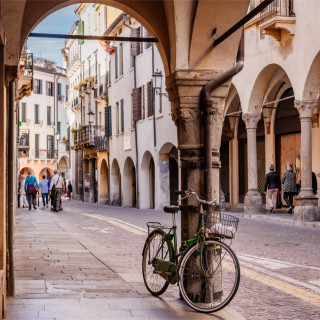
(61, 22)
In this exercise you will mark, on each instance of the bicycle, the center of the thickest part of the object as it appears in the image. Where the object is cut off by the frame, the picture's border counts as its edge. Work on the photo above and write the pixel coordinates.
(206, 269)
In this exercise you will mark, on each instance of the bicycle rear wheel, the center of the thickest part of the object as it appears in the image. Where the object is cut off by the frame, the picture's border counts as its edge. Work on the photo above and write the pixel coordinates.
(157, 246)
(210, 282)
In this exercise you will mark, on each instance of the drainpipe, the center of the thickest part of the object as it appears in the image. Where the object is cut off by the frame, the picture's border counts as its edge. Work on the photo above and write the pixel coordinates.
(11, 188)
(153, 102)
(206, 102)
(57, 105)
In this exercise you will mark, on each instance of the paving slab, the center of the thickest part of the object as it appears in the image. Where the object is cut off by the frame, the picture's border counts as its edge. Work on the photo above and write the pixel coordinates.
(62, 273)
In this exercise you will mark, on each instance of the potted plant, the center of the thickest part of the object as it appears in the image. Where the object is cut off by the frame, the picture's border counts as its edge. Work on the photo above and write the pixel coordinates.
(73, 130)
(64, 139)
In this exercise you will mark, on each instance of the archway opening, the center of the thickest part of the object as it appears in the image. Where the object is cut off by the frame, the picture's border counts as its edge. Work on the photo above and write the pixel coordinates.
(147, 185)
(63, 167)
(129, 183)
(103, 185)
(115, 196)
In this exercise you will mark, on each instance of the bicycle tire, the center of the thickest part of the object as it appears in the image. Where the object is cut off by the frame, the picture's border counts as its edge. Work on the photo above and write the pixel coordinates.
(212, 288)
(155, 284)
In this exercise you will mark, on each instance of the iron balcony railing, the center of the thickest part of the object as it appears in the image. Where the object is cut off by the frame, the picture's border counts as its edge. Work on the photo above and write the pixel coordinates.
(60, 97)
(101, 143)
(52, 154)
(75, 59)
(281, 8)
(37, 121)
(90, 134)
(23, 138)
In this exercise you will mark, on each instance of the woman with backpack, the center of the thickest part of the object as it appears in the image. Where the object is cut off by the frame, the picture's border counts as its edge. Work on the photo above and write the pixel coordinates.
(31, 188)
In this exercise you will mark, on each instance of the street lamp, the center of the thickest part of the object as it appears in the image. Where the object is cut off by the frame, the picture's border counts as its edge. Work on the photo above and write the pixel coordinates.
(157, 83)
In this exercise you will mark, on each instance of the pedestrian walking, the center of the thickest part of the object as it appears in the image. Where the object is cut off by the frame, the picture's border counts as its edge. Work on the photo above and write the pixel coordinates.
(23, 198)
(289, 186)
(31, 187)
(55, 190)
(44, 191)
(272, 187)
(69, 190)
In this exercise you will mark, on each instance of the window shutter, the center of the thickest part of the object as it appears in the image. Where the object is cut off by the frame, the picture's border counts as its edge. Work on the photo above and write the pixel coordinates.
(59, 127)
(52, 146)
(40, 86)
(52, 89)
(135, 46)
(80, 32)
(106, 120)
(147, 35)
(23, 112)
(136, 104)
(122, 115)
(110, 122)
(116, 62)
(149, 99)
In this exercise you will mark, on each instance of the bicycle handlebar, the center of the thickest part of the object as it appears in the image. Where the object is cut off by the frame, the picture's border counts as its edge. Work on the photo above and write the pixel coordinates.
(188, 193)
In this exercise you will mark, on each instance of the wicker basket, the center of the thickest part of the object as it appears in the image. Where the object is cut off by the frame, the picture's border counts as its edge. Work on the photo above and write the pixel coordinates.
(221, 225)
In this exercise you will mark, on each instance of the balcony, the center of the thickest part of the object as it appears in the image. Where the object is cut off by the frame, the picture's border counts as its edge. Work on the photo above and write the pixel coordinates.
(37, 121)
(82, 91)
(23, 140)
(278, 20)
(76, 103)
(52, 154)
(50, 123)
(73, 65)
(91, 136)
(89, 87)
(101, 143)
(25, 121)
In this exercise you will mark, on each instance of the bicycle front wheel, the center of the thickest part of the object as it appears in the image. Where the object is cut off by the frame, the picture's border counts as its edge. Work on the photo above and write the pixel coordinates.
(209, 276)
(157, 246)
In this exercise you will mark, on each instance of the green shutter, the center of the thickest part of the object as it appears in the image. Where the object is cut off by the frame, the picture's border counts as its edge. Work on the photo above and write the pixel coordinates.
(80, 32)
(36, 140)
(36, 113)
(23, 112)
(49, 115)
(40, 86)
(59, 127)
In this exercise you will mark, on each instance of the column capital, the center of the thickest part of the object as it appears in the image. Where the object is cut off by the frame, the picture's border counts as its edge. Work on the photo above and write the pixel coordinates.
(305, 107)
(251, 119)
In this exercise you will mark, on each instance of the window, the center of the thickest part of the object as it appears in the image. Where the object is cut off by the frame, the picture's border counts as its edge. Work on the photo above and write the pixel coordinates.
(89, 67)
(109, 73)
(36, 114)
(67, 93)
(121, 59)
(23, 112)
(50, 146)
(135, 46)
(50, 88)
(96, 66)
(37, 145)
(60, 96)
(117, 118)
(59, 127)
(147, 35)
(100, 115)
(99, 23)
(116, 62)
(149, 99)
(137, 104)
(49, 116)
(89, 23)
(37, 86)
(141, 35)
(121, 116)
(108, 123)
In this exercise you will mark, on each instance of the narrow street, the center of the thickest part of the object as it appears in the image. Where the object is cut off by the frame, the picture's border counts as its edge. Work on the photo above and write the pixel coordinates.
(85, 263)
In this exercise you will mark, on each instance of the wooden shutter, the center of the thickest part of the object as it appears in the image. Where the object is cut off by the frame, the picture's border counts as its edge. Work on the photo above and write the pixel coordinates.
(122, 115)
(40, 86)
(36, 114)
(135, 46)
(23, 112)
(106, 120)
(149, 99)
(110, 122)
(116, 62)
(136, 104)
(80, 31)
(53, 89)
(147, 35)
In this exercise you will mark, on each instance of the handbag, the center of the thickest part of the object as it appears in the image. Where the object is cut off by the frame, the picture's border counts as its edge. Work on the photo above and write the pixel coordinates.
(35, 187)
(279, 202)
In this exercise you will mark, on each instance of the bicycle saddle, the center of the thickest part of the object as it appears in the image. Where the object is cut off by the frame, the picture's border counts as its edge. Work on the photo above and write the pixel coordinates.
(171, 209)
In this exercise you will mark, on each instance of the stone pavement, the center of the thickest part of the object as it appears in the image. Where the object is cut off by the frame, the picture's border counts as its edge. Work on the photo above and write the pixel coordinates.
(62, 273)
(281, 217)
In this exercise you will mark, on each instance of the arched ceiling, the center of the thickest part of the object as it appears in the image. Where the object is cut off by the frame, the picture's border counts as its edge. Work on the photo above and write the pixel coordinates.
(184, 28)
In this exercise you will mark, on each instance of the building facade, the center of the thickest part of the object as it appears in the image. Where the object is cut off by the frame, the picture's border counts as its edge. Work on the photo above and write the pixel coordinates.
(122, 155)
(272, 110)
(43, 140)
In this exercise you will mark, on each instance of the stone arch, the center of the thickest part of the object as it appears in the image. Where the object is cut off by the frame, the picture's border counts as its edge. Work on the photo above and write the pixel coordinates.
(168, 174)
(103, 183)
(47, 172)
(115, 185)
(63, 166)
(24, 171)
(151, 14)
(129, 183)
(312, 83)
(147, 181)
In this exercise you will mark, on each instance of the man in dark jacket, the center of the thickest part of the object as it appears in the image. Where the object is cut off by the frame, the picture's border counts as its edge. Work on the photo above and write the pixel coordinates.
(273, 184)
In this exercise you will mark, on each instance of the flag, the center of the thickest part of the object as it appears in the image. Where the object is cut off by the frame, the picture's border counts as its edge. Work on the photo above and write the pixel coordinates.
(106, 46)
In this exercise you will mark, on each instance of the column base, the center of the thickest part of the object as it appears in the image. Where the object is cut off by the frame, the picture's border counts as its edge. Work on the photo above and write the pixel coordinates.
(306, 209)
(253, 203)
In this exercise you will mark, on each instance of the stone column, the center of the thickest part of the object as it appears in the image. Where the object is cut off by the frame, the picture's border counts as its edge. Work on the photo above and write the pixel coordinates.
(92, 169)
(76, 171)
(86, 180)
(306, 208)
(184, 89)
(79, 169)
(253, 199)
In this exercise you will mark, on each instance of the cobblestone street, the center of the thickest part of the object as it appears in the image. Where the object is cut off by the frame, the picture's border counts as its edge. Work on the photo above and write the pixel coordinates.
(85, 263)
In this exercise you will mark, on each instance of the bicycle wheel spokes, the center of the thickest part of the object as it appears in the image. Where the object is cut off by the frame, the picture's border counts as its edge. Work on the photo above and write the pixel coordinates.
(157, 247)
(210, 283)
